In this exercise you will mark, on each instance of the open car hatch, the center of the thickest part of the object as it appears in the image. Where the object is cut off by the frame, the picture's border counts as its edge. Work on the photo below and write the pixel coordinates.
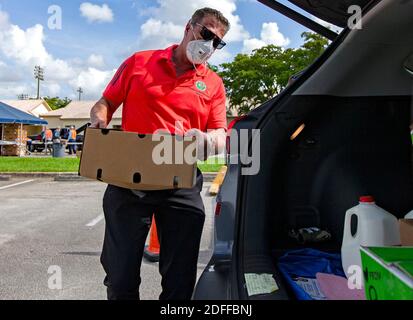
(335, 12)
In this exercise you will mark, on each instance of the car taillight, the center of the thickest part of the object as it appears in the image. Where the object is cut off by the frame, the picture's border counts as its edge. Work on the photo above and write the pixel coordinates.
(218, 209)
(228, 144)
(230, 126)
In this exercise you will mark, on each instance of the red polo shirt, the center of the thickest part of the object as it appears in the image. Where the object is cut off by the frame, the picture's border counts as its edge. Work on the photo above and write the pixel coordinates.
(155, 98)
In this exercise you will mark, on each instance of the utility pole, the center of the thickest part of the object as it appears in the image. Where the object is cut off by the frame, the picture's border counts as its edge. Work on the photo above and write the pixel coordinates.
(39, 75)
(80, 90)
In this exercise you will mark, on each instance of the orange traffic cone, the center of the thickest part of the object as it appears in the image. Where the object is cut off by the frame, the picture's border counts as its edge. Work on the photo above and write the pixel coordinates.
(151, 252)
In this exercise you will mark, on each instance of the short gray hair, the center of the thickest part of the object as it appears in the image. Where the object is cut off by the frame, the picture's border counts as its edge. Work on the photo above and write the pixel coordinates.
(201, 13)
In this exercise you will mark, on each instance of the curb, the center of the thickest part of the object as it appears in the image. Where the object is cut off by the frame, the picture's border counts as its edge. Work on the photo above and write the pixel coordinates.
(209, 176)
(219, 179)
(39, 174)
(71, 176)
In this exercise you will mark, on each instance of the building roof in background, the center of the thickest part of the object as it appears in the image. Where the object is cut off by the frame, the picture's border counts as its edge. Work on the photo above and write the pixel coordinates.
(78, 110)
(9, 114)
(27, 105)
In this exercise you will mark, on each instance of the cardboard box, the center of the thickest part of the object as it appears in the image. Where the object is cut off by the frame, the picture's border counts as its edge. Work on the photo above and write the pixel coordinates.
(406, 232)
(127, 160)
(388, 273)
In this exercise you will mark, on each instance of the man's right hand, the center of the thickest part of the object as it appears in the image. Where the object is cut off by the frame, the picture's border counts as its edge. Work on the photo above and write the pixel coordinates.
(100, 114)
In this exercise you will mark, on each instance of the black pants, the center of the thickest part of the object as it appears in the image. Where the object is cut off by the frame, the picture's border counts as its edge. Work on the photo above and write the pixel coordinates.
(179, 216)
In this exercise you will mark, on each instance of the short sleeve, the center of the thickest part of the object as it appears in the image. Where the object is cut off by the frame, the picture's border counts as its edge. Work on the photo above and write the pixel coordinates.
(116, 90)
(217, 118)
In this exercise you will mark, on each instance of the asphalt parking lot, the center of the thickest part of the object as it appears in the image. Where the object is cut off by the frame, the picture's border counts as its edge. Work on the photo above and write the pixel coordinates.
(49, 226)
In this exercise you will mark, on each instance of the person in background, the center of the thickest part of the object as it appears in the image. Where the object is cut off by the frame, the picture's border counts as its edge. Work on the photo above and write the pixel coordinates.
(43, 134)
(56, 134)
(72, 139)
(48, 138)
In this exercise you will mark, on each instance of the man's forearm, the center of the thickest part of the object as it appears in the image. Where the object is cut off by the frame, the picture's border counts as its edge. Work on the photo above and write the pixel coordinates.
(101, 114)
(208, 143)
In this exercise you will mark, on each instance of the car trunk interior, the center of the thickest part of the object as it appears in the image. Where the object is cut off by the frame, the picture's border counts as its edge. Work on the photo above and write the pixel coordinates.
(350, 147)
(356, 105)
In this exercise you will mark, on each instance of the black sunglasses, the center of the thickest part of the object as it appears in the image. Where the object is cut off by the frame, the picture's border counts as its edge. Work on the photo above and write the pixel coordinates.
(208, 35)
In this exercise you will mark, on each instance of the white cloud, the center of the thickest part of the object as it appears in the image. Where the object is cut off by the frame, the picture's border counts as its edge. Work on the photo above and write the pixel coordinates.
(220, 56)
(156, 34)
(52, 89)
(9, 90)
(21, 50)
(57, 69)
(9, 74)
(96, 13)
(4, 20)
(96, 61)
(270, 34)
(26, 46)
(167, 21)
(92, 80)
(27, 49)
(252, 44)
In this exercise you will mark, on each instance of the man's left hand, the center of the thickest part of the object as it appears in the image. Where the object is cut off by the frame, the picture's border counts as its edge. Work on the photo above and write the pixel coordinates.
(209, 143)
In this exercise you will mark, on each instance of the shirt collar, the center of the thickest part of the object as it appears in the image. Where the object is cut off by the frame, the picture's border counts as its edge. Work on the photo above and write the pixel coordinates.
(166, 55)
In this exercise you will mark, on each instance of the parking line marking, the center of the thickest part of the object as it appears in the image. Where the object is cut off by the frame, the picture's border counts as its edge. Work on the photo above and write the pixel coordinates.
(15, 184)
(95, 221)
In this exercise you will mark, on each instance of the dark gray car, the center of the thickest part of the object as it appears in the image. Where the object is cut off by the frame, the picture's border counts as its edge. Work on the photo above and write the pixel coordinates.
(355, 103)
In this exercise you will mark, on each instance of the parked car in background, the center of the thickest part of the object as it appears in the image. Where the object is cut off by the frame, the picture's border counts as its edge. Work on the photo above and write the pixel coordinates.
(79, 139)
(339, 131)
(80, 135)
(36, 142)
(64, 133)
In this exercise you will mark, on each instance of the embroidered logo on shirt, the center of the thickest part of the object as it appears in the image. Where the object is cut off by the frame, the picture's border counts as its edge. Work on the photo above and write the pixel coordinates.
(201, 86)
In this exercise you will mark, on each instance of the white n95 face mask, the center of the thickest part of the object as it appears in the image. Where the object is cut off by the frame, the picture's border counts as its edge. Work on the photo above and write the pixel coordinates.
(199, 51)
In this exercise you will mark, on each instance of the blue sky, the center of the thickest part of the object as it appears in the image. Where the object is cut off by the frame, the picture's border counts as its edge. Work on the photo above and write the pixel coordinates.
(97, 35)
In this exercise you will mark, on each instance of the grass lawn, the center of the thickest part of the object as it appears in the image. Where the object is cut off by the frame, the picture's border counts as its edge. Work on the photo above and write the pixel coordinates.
(211, 165)
(11, 164)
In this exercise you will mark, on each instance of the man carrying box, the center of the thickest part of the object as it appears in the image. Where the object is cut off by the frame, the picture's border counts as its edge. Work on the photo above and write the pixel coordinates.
(159, 89)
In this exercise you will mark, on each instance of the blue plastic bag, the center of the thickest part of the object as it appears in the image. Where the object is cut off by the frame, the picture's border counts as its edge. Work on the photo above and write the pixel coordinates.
(307, 263)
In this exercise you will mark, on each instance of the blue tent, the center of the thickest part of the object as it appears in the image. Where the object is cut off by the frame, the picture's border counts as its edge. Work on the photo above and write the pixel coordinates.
(11, 115)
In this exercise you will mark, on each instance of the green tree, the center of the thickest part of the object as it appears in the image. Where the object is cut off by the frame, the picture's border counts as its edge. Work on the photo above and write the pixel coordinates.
(252, 79)
(212, 67)
(57, 103)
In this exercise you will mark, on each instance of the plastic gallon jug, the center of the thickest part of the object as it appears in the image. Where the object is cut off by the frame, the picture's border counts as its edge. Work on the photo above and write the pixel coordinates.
(409, 215)
(366, 225)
